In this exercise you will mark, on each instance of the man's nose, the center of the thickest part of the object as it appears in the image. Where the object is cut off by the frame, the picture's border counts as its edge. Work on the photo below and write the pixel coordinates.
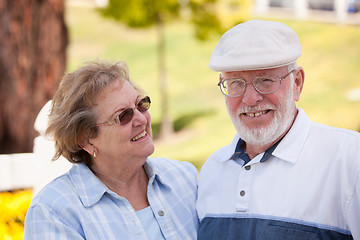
(251, 97)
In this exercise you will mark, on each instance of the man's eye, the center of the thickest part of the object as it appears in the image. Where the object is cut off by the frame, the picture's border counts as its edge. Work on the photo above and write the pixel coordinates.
(234, 83)
(266, 81)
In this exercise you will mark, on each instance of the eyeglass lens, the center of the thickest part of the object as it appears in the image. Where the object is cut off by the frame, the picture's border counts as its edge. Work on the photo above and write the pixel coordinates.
(236, 87)
(126, 115)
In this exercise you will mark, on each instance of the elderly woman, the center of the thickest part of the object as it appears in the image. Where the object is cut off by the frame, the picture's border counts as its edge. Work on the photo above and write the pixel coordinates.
(100, 122)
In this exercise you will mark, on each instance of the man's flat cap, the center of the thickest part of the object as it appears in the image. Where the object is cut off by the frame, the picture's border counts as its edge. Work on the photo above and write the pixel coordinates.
(254, 45)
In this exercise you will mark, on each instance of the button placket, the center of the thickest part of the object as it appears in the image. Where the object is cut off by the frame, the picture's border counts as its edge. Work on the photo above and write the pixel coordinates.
(136, 227)
(160, 210)
(243, 188)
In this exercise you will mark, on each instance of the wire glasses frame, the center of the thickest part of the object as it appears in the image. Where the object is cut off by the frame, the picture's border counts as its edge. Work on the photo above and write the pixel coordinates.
(127, 115)
(235, 87)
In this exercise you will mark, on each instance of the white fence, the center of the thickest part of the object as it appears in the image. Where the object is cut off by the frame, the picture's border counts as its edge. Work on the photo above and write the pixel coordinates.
(301, 8)
(17, 171)
(32, 170)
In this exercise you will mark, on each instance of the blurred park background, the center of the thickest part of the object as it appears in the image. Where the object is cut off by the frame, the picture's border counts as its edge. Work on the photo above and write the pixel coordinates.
(330, 57)
(195, 108)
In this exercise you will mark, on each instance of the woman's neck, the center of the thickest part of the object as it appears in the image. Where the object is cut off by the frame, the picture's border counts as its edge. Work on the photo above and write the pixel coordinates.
(132, 186)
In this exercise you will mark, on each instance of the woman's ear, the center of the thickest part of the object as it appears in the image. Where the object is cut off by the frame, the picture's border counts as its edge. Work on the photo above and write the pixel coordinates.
(88, 146)
(91, 149)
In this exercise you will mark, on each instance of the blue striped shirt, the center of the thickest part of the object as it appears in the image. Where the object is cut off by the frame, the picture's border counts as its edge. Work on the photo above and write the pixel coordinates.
(77, 205)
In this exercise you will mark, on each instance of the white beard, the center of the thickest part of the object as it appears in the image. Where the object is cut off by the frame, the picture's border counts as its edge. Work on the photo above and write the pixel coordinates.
(283, 118)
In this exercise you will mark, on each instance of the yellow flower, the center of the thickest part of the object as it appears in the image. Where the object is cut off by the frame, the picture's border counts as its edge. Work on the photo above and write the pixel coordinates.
(13, 207)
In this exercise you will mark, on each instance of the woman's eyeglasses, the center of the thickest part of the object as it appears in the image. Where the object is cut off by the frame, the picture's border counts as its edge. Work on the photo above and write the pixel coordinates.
(125, 116)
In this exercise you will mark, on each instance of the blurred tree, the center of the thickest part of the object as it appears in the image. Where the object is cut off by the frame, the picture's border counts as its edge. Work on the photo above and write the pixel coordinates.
(207, 16)
(33, 41)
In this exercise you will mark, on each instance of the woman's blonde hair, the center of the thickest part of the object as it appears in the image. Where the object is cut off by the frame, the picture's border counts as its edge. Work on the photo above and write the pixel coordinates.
(72, 119)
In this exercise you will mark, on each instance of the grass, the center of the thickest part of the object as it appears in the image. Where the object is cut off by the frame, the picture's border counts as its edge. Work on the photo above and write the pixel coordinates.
(330, 57)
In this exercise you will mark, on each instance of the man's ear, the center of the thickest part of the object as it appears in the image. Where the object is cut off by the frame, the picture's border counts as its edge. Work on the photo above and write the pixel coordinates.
(299, 77)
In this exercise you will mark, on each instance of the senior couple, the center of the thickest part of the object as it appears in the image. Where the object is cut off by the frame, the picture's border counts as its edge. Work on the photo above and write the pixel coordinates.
(282, 177)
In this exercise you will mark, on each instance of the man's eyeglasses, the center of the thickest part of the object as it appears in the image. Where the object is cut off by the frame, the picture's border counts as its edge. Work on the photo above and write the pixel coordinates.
(125, 116)
(235, 87)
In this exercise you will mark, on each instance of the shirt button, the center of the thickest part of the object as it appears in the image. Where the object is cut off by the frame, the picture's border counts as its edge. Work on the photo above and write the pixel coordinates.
(242, 193)
(161, 213)
(248, 167)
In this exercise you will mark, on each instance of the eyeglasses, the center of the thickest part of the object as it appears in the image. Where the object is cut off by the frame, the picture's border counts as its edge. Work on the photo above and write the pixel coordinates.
(235, 87)
(125, 116)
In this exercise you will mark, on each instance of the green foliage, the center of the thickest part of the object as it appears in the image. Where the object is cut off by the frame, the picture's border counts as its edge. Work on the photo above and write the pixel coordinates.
(217, 16)
(204, 18)
(141, 13)
(207, 16)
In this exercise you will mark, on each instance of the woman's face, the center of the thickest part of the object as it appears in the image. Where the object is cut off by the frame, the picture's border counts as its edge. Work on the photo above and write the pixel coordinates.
(124, 146)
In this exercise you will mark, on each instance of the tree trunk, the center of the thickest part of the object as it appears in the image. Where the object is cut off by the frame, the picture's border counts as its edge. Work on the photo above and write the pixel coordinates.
(166, 126)
(33, 41)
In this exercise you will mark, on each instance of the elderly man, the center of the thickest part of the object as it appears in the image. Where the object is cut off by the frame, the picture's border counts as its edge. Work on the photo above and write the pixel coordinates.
(283, 176)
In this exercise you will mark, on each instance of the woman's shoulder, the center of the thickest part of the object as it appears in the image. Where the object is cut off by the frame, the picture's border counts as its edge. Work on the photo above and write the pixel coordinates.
(58, 190)
(173, 170)
(55, 205)
(179, 175)
(165, 164)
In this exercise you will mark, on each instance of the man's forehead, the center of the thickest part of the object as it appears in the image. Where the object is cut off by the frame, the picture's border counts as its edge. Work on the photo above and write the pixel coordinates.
(255, 73)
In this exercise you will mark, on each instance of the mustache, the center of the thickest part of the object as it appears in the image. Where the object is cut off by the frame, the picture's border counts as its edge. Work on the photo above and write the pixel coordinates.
(257, 108)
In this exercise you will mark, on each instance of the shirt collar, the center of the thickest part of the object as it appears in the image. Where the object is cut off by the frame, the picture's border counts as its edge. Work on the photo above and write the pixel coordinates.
(86, 184)
(240, 152)
(288, 148)
(155, 173)
(91, 189)
(293, 142)
(229, 149)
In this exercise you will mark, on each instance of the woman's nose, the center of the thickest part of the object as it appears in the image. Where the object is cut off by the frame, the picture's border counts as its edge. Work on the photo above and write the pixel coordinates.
(139, 118)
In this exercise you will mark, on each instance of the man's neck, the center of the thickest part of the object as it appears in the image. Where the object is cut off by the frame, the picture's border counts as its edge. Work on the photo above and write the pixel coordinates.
(253, 150)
